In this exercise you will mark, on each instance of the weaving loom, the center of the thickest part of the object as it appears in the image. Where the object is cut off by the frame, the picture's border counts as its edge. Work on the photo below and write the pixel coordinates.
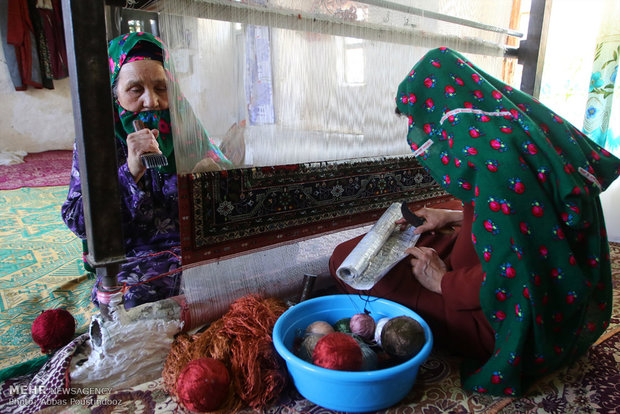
(302, 92)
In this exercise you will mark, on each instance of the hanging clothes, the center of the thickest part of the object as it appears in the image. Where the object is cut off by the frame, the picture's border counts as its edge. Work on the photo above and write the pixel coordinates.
(41, 45)
(54, 36)
(19, 34)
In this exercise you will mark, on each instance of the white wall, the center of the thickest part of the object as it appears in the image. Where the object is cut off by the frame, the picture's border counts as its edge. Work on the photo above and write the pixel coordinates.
(566, 77)
(611, 200)
(37, 119)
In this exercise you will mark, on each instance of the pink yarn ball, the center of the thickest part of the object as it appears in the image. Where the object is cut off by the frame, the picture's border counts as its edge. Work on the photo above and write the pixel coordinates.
(53, 329)
(363, 325)
(338, 351)
(203, 385)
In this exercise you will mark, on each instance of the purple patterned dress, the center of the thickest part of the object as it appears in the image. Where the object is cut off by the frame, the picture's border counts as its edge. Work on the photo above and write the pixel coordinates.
(150, 222)
(149, 208)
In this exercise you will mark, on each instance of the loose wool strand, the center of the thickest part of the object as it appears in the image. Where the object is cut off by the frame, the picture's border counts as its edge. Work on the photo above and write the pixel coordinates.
(241, 340)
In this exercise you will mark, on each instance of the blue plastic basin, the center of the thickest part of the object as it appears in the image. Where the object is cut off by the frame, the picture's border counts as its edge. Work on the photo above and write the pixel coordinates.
(359, 391)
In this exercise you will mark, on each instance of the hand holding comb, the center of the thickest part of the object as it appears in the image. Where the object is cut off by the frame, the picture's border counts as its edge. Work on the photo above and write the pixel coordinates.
(151, 159)
(408, 215)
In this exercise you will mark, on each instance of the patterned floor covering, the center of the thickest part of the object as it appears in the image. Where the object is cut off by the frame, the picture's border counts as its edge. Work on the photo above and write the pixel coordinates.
(40, 169)
(40, 268)
(591, 385)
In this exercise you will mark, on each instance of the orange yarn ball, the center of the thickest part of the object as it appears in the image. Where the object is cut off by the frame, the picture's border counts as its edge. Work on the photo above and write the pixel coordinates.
(53, 329)
(338, 351)
(203, 385)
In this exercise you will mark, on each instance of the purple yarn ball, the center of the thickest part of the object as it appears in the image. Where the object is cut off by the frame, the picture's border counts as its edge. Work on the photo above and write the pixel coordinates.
(363, 325)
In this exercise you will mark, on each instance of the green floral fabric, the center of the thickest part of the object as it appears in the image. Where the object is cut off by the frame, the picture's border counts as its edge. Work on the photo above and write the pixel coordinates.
(538, 229)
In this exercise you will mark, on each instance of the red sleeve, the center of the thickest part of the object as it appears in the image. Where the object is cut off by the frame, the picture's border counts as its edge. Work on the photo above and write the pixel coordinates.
(15, 27)
(461, 288)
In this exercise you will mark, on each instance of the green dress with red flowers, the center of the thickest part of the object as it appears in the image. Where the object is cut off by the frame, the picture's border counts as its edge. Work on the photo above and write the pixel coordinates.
(538, 229)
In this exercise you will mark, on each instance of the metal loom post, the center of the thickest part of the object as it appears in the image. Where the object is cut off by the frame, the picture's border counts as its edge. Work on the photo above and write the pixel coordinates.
(85, 34)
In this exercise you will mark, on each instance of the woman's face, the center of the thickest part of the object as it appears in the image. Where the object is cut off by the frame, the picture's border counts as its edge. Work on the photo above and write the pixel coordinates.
(141, 86)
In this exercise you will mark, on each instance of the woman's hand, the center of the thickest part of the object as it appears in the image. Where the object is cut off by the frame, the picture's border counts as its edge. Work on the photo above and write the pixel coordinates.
(138, 143)
(437, 218)
(427, 267)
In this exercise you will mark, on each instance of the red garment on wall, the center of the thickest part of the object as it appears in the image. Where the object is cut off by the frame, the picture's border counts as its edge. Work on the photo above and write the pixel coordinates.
(19, 32)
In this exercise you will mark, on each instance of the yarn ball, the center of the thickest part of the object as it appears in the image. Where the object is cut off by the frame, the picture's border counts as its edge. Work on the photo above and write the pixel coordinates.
(370, 360)
(319, 327)
(342, 325)
(378, 328)
(203, 384)
(363, 325)
(338, 351)
(402, 337)
(385, 360)
(306, 350)
(53, 329)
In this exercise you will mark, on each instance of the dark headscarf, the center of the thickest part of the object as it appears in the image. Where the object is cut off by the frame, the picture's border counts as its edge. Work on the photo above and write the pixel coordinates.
(538, 229)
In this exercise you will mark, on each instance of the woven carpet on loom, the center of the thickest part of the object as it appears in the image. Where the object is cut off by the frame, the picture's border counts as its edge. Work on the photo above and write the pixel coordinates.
(40, 169)
(40, 268)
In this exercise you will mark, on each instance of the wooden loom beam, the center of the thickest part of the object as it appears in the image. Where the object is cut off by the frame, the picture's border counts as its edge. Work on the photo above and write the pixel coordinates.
(224, 10)
(86, 41)
(531, 51)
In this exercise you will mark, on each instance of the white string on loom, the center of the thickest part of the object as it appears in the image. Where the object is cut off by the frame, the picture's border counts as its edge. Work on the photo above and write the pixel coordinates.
(210, 288)
(333, 66)
(313, 80)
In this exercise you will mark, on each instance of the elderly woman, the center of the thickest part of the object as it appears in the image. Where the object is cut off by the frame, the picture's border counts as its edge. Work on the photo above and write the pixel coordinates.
(523, 286)
(148, 196)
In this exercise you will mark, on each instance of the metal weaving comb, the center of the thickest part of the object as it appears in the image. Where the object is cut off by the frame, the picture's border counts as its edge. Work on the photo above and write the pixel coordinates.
(151, 159)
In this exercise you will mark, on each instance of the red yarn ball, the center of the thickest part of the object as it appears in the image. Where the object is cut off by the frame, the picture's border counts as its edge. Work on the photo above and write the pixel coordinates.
(338, 351)
(53, 329)
(203, 385)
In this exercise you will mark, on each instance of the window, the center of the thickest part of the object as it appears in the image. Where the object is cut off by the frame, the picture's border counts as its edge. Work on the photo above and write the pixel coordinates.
(135, 26)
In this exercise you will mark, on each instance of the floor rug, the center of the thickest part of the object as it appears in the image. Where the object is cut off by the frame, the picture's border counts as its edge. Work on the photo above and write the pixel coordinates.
(590, 385)
(40, 268)
(39, 169)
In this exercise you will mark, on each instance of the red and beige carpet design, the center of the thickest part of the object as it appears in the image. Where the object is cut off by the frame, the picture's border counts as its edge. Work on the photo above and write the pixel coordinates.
(39, 169)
